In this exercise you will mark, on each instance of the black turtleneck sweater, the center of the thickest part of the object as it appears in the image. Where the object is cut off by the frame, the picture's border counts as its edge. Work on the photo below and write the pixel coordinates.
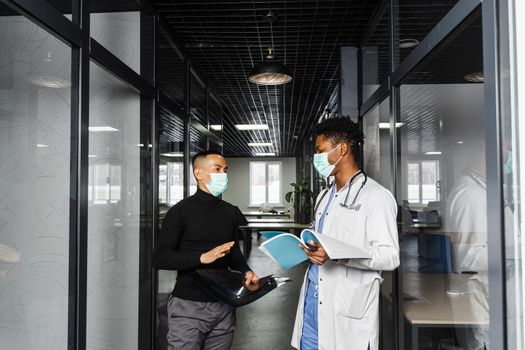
(192, 227)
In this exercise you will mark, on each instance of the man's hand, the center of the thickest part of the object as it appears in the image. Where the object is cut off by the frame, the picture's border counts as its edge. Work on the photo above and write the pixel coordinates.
(316, 254)
(251, 281)
(216, 253)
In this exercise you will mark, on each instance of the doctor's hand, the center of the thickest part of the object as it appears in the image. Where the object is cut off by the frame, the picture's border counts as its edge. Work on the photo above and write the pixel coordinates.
(216, 253)
(251, 281)
(316, 254)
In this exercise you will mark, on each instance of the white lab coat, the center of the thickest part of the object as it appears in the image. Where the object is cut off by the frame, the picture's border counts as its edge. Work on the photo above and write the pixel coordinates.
(348, 292)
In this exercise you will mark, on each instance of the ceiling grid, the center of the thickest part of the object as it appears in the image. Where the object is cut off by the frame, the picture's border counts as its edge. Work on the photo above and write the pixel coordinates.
(227, 38)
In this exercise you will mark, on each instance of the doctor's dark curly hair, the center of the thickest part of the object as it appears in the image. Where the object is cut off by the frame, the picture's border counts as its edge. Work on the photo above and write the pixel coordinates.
(342, 129)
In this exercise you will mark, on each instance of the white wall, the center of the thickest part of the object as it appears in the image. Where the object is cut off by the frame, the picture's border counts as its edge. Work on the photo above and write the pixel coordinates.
(238, 192)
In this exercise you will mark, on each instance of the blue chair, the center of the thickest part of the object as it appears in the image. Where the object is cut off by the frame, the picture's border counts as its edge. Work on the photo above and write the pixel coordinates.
(435, 254)
(270, 234)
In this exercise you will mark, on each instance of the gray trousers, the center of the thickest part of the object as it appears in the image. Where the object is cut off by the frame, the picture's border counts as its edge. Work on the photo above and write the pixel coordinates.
(195, 325)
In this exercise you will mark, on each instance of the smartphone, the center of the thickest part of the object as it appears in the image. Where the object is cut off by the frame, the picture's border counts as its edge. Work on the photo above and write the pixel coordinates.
(311, 247)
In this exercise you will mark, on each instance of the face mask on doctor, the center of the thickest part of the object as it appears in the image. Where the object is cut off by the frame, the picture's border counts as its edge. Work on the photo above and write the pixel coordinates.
(218, 183)
(322, 165)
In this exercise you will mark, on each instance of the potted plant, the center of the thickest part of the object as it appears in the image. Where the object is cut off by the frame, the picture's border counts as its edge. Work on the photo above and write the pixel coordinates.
(301, 197)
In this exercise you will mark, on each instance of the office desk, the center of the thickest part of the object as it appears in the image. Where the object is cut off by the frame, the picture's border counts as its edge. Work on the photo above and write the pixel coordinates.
(436, 308)
(259, 226)
(270, 220)
(260, 215)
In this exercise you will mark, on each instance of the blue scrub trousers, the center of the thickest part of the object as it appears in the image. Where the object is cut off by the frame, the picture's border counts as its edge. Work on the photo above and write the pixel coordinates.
(310, 319)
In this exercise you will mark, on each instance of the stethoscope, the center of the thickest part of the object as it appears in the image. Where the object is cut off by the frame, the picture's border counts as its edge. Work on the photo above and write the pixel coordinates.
(352, 205)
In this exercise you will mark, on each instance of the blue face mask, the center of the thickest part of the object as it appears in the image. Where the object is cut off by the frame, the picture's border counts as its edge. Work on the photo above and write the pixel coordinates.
(322, 165)
(218, 183)
(507, 167)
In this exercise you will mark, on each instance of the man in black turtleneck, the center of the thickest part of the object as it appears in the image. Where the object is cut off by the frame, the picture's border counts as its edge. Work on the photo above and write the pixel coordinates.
(201, 232)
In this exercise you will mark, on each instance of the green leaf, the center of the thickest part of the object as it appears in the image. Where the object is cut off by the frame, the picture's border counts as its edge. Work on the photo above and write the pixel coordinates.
(288, 196)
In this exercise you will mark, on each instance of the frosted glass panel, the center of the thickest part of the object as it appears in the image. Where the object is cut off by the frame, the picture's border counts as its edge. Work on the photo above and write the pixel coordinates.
(34, 186)
(119, 32)
(113, 220)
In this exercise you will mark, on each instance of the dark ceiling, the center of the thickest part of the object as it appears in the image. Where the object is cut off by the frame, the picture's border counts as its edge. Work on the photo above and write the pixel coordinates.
(227, 38)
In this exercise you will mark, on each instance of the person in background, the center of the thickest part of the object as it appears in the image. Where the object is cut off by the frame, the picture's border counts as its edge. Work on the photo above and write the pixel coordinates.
(339, 300)
(201, 232)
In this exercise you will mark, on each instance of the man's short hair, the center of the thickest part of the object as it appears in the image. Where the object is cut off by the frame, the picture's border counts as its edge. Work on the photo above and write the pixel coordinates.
(342, 130)
(203, 154)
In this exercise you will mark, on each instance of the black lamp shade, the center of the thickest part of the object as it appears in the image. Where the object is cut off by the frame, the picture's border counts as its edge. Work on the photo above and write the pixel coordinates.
(270, 72)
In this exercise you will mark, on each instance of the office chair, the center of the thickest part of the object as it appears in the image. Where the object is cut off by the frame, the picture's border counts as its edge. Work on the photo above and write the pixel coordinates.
(435, 253)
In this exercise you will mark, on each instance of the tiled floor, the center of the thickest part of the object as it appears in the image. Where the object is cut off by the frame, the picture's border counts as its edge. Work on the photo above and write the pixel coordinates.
(268, 322)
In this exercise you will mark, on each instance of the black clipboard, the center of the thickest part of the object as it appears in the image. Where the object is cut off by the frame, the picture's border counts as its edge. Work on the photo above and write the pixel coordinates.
(227, 286)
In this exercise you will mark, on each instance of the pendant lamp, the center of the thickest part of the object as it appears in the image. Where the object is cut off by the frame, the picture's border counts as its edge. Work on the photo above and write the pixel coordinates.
(270, 71)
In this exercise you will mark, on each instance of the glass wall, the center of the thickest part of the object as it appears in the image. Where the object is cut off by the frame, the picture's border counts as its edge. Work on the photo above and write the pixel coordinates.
(117, 28)
(76, 227)
(172, 162)
(414, 19)
(114, 213)
(172, 81)
(198, 143)
(35, 155)
(171, 168)
(512, 156)
(377, 164)
(375, 54)
(64, 6)
(441, 192)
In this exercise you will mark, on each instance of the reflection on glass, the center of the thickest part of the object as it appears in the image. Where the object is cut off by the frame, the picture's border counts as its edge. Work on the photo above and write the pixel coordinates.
(442, 196)
(34, 186)
(113, 213)
(104, 183)
(175, 182)
(423, 181)
(193, 182)
(414, 21)
(171, 167)
(171, 182)
(512, 160)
